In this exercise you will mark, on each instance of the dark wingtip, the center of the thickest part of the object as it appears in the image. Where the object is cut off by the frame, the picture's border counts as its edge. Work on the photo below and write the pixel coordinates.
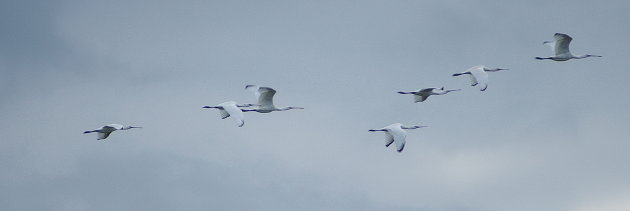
(401, 149)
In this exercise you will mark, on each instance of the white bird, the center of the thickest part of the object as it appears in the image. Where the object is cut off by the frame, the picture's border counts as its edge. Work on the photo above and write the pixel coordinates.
(395, 133)
(230, 108)
(103, 132)
(265, 100)
(479, 76)
(560, 47)
(422, 94)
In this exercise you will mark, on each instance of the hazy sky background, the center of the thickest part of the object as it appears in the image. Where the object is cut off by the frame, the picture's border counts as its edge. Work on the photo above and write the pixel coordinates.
(544, 136)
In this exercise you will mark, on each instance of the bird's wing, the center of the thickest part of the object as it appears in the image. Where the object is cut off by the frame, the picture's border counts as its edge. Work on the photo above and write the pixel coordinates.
(389, 139)
(399, 137)
(481, 77)
(112, 127)
(562, 43)
(235, 112)
(103, 135)
(426, 91)
(254, 89)
(551, 45)
(224, 114)
(266, 96)
(473, 80)
(423, 94)
(420, 98)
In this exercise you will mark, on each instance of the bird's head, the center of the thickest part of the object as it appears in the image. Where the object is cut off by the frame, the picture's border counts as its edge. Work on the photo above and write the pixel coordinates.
(494, 69)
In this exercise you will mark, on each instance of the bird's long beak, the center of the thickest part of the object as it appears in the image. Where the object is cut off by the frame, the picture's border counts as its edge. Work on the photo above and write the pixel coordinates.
(207, 107)
(134, 127)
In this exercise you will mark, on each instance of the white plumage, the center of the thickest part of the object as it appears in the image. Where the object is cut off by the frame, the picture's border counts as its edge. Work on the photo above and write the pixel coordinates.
(560, 48)
(105, 131)
(479, 76)
(230, 108)
(395, 133)
(422, 94)
(265, 100)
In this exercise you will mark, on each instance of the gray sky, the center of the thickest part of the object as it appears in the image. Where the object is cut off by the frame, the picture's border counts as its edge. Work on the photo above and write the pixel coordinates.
(544, 136)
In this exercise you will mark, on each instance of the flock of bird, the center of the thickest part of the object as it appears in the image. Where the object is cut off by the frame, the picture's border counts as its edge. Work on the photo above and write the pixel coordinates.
(394, 133)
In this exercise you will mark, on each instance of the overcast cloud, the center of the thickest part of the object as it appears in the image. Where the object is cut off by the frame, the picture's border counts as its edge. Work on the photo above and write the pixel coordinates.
(544, 136)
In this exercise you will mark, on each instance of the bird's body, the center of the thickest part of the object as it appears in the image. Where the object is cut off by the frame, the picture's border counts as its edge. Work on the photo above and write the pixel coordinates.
(479, 76)
(103, 132)
(396, 133)
(422, 94)
(265, 100)
(230, 108)
(560, 47)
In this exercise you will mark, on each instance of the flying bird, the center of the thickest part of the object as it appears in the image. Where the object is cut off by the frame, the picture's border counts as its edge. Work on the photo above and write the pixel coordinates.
(230, 108)
(103, 132)
(479, 76)
(396, 133)
(560, 47)
(265, 100)
(422, 94)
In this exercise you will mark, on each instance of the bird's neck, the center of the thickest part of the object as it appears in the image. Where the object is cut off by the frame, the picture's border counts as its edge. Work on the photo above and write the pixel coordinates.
(584, 56)
(284, 108)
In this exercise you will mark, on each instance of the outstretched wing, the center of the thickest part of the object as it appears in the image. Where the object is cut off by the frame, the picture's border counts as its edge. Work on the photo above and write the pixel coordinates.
(224, 114)
(473, 80)
(266, 96)
(235, 112)
(254, 89)
(562, 43)
(420, 98)
(551, 45)
(103, 135)
(399, 136)
(423, 94)
(480, 77)
(389, 139)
